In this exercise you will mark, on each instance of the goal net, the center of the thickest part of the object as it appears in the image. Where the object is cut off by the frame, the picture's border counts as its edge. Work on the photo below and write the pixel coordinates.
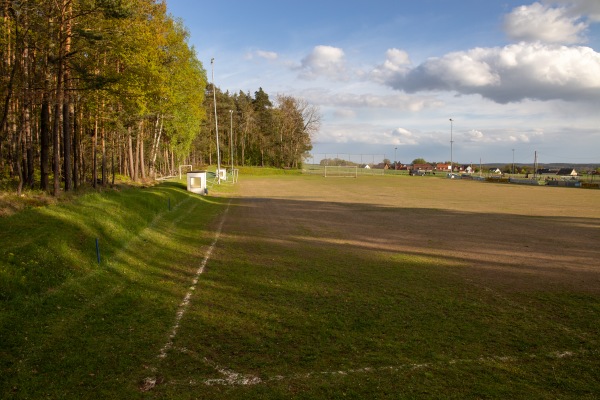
(338, 171)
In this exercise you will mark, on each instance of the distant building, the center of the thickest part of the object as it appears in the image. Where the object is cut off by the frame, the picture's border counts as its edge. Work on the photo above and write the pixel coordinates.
(422, 167)
(567, 172)
(546, 172)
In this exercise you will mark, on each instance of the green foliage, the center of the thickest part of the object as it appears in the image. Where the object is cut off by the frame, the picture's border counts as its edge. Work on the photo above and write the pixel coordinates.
(114, 9)
(338, 162)
(259, 131)
(129, 63)
(419, 161)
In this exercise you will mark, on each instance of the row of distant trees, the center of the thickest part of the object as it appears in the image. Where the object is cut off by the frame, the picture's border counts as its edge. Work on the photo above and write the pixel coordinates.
(257, 130)
(94, 88)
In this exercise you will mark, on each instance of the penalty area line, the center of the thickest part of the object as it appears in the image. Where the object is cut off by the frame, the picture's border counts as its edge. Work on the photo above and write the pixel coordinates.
(150, 382)
(231, 378)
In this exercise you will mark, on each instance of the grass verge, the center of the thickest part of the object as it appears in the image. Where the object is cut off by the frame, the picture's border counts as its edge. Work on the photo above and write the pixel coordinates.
(73, 328)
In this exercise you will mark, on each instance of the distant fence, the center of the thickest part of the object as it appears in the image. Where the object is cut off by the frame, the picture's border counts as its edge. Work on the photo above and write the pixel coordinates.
(328, 170)
(345, 159)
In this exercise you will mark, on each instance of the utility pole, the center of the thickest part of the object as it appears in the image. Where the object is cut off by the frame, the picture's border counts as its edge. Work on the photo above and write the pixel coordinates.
(451, 143)
(513, 168)
(231, 138)
(212, 62)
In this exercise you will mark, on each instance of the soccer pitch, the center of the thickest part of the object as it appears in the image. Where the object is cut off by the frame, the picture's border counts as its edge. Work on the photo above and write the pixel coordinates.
(393, 287)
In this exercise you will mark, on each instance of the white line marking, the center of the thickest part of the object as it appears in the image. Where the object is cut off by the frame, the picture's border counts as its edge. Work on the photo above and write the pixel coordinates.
(150, 382)
(231, 378)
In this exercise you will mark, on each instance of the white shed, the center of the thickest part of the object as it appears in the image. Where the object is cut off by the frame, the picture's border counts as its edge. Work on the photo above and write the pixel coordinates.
(196, 182)
(223, 174)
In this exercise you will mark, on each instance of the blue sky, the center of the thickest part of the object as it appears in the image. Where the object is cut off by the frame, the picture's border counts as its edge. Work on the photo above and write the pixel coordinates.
(388, 75)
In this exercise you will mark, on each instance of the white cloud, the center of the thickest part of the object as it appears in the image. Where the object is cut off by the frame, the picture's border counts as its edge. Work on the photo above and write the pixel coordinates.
(500, 136)
(324, 61)
(345, 100)
(401, 136)
(397, 61)
(267, 55)
(345, 113)
(475, 136)
(588, 8)
(539, 22)
(508, 74)
(522, 138)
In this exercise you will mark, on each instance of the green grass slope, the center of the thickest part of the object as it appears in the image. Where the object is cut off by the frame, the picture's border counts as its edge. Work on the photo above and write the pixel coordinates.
(73, 328)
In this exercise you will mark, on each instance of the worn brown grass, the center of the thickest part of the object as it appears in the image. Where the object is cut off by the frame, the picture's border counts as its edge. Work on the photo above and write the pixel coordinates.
(519, 237)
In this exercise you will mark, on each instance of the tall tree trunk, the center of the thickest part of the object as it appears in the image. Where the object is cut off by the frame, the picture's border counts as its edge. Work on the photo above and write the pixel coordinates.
(68, 105)
(57, 118)
(104, 172)
(9, 91)
(27, 135)
(141, 147)
(56, 143)
(131, 159)
(113, 160)
(121, 156)
(45, 142)
(95, 153)
(17, 152)
(67, 146)
(166, 166)
(137, 152)
(28, 139)
(173, 168)
(155, 145)
(76, 136)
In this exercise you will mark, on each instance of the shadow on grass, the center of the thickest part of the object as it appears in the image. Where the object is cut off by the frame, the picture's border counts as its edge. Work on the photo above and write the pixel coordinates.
(297, 290)
(67, 323)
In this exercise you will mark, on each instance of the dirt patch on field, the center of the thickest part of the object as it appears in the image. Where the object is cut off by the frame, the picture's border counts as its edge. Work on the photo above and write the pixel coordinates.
(502, 236)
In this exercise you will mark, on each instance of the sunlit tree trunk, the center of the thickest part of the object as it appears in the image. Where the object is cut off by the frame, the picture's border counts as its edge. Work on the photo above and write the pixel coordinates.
(45, 142)
(131, 159)
(95, 152)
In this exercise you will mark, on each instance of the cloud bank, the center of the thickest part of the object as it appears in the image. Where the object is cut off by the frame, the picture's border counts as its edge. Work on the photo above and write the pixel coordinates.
(544, 65)
(504, 74)
(540, 22)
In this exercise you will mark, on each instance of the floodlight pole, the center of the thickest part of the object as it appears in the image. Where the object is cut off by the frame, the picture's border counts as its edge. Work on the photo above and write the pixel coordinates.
(513, 168)
(231, 138)
(212, 62)
(451, 144)
(395, 159)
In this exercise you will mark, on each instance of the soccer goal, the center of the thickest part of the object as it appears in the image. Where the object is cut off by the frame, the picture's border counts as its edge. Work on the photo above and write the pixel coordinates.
(190, 167)
(341, 172)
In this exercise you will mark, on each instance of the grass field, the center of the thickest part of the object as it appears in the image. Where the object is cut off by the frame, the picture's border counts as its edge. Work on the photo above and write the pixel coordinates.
(307, 287)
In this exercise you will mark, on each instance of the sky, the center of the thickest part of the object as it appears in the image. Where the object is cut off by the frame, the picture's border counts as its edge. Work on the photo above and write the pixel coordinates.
(517, 78)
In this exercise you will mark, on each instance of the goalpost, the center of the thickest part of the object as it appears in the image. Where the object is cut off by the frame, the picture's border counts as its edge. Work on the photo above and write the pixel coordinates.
(340, 172)
(191, 167)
